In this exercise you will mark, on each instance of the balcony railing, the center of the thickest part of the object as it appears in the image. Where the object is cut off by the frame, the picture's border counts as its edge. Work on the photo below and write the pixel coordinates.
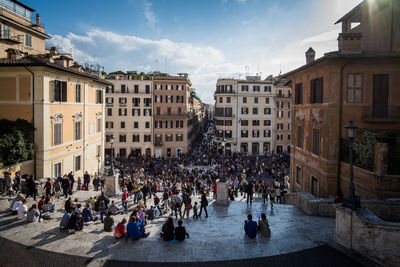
(283, 96)
(224, 92)
(109, 104)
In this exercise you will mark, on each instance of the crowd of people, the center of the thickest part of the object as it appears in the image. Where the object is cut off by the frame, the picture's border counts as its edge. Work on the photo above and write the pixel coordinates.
(154, 187)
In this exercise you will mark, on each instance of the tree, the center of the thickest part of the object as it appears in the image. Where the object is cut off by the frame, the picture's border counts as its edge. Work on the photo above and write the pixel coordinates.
(365, 150)
(14, 148)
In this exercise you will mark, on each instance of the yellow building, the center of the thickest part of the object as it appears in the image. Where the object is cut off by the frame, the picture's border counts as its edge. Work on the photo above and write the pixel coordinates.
(17, 32)
(66, 107)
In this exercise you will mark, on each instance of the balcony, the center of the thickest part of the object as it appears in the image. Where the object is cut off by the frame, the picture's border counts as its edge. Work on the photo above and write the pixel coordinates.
(283, 96)
(224, 92)
(10, 37)
(158, 143)
(109, 104)
(122, 104)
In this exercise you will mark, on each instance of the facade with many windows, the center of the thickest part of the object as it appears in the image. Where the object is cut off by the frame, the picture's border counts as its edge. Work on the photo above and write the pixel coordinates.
(359, 82)
(244, 115)
(129, 109)
(282, 127)
(66, 108)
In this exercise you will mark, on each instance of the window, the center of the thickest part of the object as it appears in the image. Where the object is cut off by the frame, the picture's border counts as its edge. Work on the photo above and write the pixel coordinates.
(279, 126)
(267, 122)
(99, 124)
(122, 138)
(179, 111)
(256, 88)
(220, 133)
(169, 124)
(122, 112)
(179, 137)
(6, 31)
(244, 133)
(256, 100)
(244, 122)
(316, 86)
(228, 100)
(179, 87)
(228, 123)
(109, 100)
(279, 113)
(77, 163)
(123, 88)
(288, 114)
(298, 91)
(99, 97)
(135, 124)
(158, 86)
(78, 93)
(228, 134)
(298, 175)
(57, 133)
(267, 111)
(136, 112)
(315, 142)
(135, 138)
(147, 138)
(179, 99)
(147, 102)
(169, 98)
(122, 101)
(245, 110)
(158, 99)
(28, 40)
(255, 111)
(267, 133)
(158, 124)
(135, 102)
(245, 88)
(136, 88)
(147, 124)
(228, 112)
(147, 112)
(244, 100)
(77, 130)
(221, 100)
(179, 124)
(354, 87)
(109, 112)
(288, 137)
(108, 137)
(147, 89)
(60, 91)
(168, 138)
(109, 124)
(300, 136)
(158, 111)
(267, 89)
(256, 133)
(256, 123)
(169, 87)
(267, 100)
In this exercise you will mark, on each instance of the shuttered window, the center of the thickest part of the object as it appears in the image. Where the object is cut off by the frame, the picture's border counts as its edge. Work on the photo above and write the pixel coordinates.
(298, 94)
(315, 142)
(354, 88)
(316, 88)
(300, 136)
(60, 91)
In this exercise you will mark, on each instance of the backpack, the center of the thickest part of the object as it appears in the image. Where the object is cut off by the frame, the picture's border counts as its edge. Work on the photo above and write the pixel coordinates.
(178, 201)
(102, 205)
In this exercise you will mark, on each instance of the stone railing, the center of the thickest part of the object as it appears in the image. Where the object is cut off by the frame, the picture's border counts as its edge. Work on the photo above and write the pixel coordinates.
(364, 232)
(388, 209)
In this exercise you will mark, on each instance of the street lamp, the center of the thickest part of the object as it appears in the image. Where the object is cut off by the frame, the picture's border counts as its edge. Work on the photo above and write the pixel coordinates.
(112, 154)
(351, 200)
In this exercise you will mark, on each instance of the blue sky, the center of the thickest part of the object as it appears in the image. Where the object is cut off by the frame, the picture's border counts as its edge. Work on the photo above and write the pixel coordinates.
(209, 39)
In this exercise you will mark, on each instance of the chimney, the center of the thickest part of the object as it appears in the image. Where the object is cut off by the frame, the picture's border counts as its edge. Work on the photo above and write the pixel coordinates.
(37, 19)
(310, 55)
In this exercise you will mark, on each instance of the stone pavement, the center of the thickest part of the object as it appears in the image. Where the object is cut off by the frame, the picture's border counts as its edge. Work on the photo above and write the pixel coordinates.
(220, 237)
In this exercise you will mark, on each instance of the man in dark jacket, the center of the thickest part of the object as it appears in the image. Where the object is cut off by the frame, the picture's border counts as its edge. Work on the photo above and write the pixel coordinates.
(65, 184)
(86, 180)
(249, 189)
(71, 180)
(180, 232)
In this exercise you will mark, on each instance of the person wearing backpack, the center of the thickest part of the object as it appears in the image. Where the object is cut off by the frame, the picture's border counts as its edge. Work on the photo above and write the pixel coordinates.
(157, 203)
(177, 203)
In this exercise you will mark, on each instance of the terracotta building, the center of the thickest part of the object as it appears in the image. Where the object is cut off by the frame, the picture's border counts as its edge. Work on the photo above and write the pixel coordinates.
(18, 34)
(172, 115)
(129, 109)
(359, 82)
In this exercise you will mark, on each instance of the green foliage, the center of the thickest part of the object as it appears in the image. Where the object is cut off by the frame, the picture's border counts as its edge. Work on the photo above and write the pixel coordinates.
(14, 148)
(364, 150)
(16, 141)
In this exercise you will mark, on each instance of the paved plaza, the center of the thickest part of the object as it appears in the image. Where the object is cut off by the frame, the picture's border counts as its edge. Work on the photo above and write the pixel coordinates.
(219, 237)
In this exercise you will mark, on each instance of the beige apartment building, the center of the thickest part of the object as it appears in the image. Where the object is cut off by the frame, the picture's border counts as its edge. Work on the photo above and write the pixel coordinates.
(173, 117)
(244, 115)
(129, 109)
(65, 107)
(17, 32)
(282, 131)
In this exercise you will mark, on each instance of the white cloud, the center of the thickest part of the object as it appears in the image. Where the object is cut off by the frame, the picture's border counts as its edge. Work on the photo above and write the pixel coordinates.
(204, 64)
(149, 15)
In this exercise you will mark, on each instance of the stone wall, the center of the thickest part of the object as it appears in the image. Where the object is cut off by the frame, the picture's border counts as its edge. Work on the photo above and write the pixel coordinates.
(369, 235)
(388, 209)
(25, 167)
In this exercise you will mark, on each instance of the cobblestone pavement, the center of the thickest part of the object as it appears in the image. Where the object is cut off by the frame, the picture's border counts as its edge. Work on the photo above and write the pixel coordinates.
(220, 237)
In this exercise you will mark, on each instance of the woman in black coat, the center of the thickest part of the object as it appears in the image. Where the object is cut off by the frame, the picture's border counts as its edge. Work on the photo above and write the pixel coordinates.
(203, 204)
(168, 230)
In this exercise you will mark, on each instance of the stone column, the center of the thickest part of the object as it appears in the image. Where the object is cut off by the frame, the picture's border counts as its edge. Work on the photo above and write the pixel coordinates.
(112, 185)
(222, 194)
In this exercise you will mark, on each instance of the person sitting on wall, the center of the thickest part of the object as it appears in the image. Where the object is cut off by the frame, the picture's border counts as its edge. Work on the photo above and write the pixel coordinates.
(250, 227)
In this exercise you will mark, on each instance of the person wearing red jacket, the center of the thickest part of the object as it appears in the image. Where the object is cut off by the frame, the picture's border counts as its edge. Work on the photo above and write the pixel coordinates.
(125, 196)
(120, 230)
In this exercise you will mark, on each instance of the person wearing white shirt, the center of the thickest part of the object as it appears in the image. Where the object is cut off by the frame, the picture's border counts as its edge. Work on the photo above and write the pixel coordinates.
(22, 210)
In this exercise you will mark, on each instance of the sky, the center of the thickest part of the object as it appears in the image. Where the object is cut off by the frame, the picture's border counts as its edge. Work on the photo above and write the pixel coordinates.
(208, 39)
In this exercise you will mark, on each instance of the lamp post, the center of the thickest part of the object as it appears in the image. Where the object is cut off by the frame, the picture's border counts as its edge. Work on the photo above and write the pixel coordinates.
(351, 201)
(112, 154)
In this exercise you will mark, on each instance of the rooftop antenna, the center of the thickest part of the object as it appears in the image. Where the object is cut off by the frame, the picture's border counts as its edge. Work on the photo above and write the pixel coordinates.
(157, 64)
(166, 65)
(247, 70)
(280, 68)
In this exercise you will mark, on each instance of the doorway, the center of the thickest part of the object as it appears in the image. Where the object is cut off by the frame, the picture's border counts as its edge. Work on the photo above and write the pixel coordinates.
(380, 96)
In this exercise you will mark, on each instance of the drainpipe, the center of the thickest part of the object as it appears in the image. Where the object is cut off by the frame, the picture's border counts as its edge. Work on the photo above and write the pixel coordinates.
(391, 29)
(338, 190)
(33, 120)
